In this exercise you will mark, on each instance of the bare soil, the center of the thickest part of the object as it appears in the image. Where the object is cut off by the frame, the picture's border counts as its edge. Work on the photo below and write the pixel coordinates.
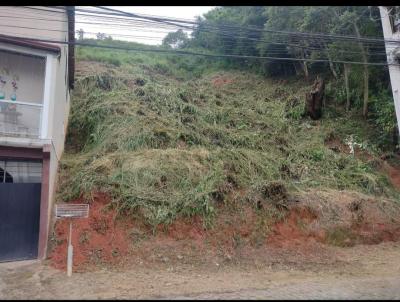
(220, 80)
(304, 229)
(361, 272)
(393, 170)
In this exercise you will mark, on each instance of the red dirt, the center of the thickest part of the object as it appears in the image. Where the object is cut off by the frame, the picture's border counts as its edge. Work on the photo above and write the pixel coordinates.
(377, 233)
(236, 234)
(394, 174)
(95, 239)
(221, 80)
(291, 230)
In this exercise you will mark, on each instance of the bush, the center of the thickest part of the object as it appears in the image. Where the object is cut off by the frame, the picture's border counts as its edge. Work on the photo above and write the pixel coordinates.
(382, 114)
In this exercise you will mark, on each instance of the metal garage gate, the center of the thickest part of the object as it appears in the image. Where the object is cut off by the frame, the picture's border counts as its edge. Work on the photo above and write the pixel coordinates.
(20, 188)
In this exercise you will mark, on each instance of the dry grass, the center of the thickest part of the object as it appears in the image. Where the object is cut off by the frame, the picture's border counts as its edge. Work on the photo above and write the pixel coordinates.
(164, 146)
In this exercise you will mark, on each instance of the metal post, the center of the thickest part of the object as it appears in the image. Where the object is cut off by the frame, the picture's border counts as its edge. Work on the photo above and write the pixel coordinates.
(394, 71)
(71, 211)
(70, 252)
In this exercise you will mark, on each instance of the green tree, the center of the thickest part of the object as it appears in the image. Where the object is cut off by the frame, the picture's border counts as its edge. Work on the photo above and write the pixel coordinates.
(177, 39)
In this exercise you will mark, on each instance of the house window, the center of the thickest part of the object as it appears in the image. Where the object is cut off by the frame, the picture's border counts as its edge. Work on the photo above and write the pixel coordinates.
(18, 171)
(22, 80)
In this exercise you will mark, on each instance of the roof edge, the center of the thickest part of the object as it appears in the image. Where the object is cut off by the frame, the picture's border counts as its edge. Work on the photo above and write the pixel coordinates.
(25, 42)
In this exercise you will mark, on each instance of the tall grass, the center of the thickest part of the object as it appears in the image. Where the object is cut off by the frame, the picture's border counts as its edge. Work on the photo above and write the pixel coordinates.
(165, 138)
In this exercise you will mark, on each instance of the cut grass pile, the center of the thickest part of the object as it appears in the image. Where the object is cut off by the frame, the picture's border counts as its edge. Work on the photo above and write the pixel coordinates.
(165, 142)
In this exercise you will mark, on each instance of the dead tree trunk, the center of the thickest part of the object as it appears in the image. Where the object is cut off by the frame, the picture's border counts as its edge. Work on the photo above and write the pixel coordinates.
(314, 99)
(346, 81)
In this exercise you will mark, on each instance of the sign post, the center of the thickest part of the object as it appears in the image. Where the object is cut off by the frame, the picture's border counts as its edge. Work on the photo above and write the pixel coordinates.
(71, 211)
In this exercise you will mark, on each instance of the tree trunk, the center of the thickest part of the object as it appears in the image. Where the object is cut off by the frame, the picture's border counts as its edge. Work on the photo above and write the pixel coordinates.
(305, 69)
(365, 106)
(304, 65)
(314, 99)
(346, 80)
(366, 75)
(296, 68)
(331, 67)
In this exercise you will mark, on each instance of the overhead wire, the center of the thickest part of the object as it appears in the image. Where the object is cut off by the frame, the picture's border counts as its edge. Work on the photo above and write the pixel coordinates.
(121, 17)
(306, 34)
(182, 52)
(258, 56)
(252, 39)
(170, 21)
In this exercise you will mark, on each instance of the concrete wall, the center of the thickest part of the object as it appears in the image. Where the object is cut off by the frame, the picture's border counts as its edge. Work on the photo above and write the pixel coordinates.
(51, 24)
(58, 119)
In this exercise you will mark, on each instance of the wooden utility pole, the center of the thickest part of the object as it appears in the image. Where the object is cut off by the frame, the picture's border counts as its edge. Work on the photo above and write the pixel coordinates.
(393, 56)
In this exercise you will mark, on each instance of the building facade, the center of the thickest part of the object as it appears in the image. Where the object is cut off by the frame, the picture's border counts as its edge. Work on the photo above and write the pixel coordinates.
(36, 77)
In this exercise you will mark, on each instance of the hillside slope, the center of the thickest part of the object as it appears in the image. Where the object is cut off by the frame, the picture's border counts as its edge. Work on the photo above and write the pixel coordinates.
(161, 146)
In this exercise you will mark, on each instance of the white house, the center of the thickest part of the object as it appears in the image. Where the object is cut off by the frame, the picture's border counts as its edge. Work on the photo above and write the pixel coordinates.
(35, 82)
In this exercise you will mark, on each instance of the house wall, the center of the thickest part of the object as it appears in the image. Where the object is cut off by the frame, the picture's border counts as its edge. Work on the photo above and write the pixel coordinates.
(51, 24)
(34, 22)
(58, 120)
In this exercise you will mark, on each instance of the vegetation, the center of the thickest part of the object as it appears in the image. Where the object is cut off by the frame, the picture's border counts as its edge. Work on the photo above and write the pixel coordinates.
(169, 136)
(363, 88)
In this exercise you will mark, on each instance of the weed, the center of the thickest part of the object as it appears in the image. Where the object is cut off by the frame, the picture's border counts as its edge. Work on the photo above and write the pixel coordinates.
(84, 237)
(340, 236)
(162, 116)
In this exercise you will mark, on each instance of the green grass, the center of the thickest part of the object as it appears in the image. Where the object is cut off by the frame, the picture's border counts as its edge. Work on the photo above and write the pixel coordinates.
(154, 132)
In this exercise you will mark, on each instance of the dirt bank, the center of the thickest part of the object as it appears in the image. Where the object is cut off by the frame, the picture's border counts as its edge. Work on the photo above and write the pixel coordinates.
(303, 228)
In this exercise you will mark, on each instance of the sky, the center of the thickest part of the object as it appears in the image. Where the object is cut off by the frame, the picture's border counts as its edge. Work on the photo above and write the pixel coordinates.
(145, 35)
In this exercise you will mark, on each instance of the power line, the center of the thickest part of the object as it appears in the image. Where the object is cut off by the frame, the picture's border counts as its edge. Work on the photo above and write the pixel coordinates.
(144, 21)
(239, 42)
(306, 34)
(170, 21)
(269, 42)
(177, 52)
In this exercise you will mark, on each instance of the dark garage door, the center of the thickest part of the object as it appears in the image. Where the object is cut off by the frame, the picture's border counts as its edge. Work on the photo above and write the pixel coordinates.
(20, 188)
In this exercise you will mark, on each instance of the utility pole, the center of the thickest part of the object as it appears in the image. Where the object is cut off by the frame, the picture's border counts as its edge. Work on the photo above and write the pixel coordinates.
(391, 31)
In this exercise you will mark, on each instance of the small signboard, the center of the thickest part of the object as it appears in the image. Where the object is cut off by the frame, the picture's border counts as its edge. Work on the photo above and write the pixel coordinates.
(69, 210)
(66, 210)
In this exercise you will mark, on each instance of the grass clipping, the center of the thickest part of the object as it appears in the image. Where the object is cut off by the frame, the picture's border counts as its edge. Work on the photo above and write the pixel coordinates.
(164, 147)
